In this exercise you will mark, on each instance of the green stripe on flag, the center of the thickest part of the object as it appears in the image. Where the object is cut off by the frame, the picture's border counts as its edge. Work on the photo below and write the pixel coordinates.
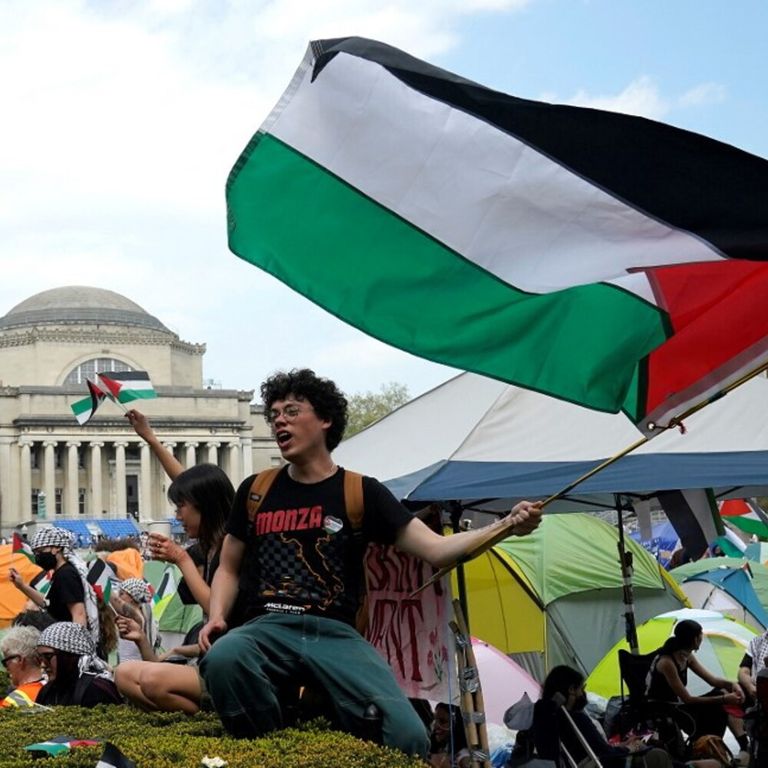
(374, 270)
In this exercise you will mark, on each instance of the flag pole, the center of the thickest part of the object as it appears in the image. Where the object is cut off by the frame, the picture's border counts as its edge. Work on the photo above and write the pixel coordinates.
(506, 528)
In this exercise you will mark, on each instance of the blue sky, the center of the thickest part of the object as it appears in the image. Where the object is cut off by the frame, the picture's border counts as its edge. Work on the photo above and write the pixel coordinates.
(121, 122)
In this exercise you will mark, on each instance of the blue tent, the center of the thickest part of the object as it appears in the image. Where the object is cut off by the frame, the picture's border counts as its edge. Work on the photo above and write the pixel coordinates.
(475, 439)
(705, 590)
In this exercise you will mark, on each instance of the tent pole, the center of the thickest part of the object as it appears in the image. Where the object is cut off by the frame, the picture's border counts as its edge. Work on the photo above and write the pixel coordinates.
(625, 559)
(456, 510)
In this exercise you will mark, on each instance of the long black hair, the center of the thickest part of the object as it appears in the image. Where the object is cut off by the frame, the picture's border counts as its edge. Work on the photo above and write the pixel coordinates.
(560, 680)
(211, 492)
(684, 637)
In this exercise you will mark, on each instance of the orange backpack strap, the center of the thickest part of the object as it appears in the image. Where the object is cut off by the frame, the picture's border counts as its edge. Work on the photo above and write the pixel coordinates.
(259, 489)
(353, 498)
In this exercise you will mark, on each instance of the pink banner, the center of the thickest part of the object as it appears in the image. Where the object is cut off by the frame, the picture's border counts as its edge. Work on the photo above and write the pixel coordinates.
(411, 633)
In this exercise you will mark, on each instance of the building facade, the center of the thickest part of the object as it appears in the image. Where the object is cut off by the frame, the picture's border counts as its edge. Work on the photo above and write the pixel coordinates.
(52, 468)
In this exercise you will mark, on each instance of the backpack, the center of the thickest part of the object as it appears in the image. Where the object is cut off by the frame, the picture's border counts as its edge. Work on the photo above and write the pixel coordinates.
(353, 503)
(713, 748)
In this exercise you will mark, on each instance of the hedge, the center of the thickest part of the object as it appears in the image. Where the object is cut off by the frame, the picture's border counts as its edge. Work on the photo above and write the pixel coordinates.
(174, 740)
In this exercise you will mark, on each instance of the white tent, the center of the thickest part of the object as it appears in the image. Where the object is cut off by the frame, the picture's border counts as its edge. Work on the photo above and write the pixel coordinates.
(473, 438)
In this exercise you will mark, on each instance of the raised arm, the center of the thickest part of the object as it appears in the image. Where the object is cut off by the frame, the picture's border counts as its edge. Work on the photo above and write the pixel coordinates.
(140, 424)
(419, 540)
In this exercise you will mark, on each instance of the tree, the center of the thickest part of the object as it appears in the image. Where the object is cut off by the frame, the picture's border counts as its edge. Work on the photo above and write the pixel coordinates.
(367, 407)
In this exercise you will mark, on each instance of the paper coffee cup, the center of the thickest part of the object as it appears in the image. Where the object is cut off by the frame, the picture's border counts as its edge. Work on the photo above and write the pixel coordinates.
(163, 527)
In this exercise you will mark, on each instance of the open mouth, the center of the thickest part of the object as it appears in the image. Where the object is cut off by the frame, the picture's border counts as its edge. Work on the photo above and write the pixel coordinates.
(282, 437)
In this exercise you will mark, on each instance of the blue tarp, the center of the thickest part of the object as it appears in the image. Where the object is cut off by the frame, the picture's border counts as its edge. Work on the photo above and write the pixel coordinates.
(116, 529)
(663, 542)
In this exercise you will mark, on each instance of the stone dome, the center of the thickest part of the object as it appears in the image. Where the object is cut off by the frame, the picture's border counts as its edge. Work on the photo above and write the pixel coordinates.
(79, 305)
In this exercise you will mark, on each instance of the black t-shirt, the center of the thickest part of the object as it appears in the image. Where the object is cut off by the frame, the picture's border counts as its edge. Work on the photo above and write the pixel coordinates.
(66, 588)
(301, 552)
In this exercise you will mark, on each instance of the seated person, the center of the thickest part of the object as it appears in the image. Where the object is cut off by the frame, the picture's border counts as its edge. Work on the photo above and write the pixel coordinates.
(564, 689)
(447, 740)
(18, 650)
(668, 679)
(76, 676)
(139, 635)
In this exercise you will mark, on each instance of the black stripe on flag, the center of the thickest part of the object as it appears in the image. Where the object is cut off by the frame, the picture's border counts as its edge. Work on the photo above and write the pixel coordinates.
(687, 180)
(112, 757)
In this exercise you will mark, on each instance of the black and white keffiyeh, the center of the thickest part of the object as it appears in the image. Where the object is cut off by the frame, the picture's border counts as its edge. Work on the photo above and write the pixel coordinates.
(138, 589)
(73, 638)
(60, 537)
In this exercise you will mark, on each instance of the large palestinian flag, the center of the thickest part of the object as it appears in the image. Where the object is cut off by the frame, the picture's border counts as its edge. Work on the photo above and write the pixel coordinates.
(609, 260)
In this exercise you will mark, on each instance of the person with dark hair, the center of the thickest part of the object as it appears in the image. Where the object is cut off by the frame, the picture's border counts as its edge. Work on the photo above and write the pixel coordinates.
(296, 550)
(203, 495)
(33, 618)
(447, 740)
(669, 678)
(564, 689)
(76, 676)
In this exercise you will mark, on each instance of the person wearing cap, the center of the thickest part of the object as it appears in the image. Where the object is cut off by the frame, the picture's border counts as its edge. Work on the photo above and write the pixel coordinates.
(18, 654)
(76, 676)
(70, 596)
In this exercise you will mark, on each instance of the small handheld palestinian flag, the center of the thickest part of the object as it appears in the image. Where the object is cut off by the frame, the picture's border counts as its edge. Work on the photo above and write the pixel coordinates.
(85, 408)
(126, 386)
(58, 745)
(20, 547)
(100, 577)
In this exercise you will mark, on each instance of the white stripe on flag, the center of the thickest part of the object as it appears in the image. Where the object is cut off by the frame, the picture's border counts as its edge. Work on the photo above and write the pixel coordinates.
(437, 167)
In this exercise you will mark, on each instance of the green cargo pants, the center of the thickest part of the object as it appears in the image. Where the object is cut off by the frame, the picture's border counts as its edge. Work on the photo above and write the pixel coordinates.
(247, 668)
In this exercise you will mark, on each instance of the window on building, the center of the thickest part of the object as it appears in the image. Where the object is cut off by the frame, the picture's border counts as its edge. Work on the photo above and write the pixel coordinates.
(34, 456)
(58, 456)
(275, 461)
(59, 496)
(132, 453)
(90, 368)
(81, 501)
(35, 502)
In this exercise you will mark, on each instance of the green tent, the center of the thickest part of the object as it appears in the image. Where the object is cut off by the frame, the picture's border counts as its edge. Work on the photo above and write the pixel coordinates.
(173, 616)
(723, 647)
(556, 597)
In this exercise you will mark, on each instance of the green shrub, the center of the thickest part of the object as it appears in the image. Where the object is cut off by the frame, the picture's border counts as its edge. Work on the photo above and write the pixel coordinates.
(173, 740)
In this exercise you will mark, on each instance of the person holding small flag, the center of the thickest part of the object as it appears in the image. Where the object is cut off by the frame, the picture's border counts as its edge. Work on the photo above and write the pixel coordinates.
(70, 596)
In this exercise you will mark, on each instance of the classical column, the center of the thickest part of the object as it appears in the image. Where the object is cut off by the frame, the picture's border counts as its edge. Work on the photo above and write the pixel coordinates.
(25, 480)
(235, 473)
(8, 488)
(190, 458)
(49, 478)
(145, 493)
(71, 493)
(213, 452)
(247, 445)
(97, 505)
(121, 501)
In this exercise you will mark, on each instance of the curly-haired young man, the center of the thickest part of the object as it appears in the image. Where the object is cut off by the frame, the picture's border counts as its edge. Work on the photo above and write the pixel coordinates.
(298, 562)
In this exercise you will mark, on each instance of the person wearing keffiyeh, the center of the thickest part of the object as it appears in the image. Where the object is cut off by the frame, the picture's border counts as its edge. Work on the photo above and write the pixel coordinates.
(70, 596)
(76, 675)
(139, 635)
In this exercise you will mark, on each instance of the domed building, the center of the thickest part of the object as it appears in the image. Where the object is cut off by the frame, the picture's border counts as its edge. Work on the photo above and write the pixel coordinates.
(101, 477)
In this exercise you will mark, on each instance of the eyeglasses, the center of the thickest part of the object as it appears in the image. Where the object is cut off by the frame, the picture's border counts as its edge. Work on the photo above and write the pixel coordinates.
(9, 658)
(47, 656)
(289, 413)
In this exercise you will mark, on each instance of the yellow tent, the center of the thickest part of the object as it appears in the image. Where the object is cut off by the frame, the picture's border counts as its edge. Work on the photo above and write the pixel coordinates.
(556, 596)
